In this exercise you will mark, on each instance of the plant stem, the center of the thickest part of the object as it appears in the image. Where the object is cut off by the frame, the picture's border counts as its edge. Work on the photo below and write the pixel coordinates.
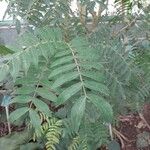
(7, 116)
(111, 132)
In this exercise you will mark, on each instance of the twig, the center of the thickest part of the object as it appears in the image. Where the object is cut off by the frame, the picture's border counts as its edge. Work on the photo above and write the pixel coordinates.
(121, 140)
(142, 117)
(126, 27)
(120, 134)
(121, 137)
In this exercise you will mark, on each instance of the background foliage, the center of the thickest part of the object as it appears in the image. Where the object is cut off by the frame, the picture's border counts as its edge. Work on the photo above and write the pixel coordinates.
(73, 73)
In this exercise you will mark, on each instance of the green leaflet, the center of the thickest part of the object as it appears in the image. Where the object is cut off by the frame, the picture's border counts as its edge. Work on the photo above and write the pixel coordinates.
(4, 50)
(92, 64)
(41, 106)
(34, 47)
(16, 65)
(61, 61)
(62, 69)
(69, 92)
(85, 51)
(91, 112)
(27, 39)
(88, 53)
(114, 145)
(21, 99)
(53, 134)
(26, 81)
(47, 94)
(15, 115)
(26, 60)
(46, 83)
(65, 78)
(103, 106)
(35, 119)
(4, 70)
(75, 143)
(63, 53)
(44, 50)
(35, 56)
(49, 34)
(24, 90)
(79, 42)
(31, 146)
(15, 140)
(77, 113)
(95, 75)
(97, 86)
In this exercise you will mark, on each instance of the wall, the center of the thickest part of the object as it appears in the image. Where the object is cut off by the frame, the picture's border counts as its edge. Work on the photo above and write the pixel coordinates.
(7, 35)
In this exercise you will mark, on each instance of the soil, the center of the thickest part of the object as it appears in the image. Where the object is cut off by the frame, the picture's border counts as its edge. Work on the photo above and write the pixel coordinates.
(131, 126)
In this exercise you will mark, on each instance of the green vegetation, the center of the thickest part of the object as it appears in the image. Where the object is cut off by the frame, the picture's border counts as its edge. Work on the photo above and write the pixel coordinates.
(71, 77)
